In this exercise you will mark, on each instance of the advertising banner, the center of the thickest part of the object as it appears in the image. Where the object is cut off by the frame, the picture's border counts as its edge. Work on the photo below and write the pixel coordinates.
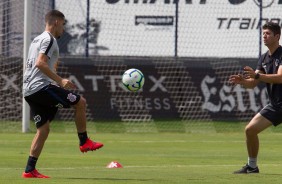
(195, 89)
(192, 89)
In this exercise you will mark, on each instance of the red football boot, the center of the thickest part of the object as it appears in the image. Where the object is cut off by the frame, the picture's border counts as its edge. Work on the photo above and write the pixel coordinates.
(90, 145)
(33, 174)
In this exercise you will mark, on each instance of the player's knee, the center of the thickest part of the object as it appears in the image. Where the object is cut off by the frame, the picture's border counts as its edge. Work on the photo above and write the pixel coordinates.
(81, 103)
(43, 132)
(249, 131)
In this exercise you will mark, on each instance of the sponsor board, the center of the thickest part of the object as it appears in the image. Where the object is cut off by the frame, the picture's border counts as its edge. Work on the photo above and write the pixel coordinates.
(187, 88)
(204, 88)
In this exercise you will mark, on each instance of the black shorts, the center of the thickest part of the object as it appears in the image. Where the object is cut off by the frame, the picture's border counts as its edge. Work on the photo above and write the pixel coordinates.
(272, 113)
(44, 104)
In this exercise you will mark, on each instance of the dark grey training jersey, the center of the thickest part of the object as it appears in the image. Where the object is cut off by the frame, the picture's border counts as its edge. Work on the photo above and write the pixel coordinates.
(34, 79)
(269, 65)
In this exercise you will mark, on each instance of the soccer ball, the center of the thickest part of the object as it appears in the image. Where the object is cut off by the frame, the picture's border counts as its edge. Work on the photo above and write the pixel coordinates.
(133, 79)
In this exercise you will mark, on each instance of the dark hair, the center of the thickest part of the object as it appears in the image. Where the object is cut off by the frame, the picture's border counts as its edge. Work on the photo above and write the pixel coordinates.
(53, 15)
(274, 27)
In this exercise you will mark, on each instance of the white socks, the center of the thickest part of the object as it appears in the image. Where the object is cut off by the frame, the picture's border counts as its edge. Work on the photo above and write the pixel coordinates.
(252, 162)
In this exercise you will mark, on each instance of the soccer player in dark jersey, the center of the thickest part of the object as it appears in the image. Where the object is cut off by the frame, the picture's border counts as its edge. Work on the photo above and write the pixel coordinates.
(45, 91)
(268, 71)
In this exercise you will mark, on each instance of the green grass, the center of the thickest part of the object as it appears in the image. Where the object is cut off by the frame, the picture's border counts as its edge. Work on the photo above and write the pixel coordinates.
(195, 157)
(134, 127)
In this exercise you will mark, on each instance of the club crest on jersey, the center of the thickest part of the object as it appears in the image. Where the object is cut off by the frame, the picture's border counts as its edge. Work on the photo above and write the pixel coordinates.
(71, 97)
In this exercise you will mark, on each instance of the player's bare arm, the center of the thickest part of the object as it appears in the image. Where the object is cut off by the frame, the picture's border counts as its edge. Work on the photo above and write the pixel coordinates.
(41, 63)
(267, 78)
(243, 80)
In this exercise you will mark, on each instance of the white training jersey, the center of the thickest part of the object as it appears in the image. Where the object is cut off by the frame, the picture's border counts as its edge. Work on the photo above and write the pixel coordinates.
(34, 79)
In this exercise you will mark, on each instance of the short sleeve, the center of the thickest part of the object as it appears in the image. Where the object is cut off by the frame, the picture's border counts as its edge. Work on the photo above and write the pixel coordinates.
(47, 46)
(260, 61)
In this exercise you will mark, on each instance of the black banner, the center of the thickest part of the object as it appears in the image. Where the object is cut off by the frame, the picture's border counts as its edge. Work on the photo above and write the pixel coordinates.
(187, 88)
(184, 89)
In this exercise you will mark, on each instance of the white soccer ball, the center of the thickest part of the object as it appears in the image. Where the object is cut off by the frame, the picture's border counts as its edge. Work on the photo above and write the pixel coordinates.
(133, 79)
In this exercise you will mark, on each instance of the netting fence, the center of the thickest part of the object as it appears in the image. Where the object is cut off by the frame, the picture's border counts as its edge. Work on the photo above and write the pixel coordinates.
(186, 49)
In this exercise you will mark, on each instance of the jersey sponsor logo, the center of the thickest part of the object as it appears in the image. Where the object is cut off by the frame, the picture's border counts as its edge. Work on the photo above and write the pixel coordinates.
(37, 118)
(29, 63)
(71, 97)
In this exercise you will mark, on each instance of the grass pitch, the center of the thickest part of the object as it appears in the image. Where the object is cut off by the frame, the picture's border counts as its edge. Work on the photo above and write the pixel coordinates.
(146, 158)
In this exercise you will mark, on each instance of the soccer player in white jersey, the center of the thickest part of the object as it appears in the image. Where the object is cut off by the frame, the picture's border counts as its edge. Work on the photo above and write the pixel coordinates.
(45, 91)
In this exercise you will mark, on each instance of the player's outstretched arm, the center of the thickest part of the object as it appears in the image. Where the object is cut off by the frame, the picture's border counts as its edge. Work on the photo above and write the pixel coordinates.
(244, 80)
(275, 78)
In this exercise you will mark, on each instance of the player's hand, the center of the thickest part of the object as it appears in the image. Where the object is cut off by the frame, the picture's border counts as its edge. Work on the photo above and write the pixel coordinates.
(236, 79)
(249, 73)
(67, 84)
